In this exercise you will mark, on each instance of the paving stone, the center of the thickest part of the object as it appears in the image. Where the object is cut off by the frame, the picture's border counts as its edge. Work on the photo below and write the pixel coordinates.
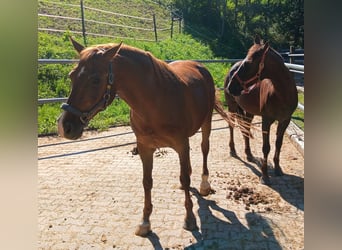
(90, 195)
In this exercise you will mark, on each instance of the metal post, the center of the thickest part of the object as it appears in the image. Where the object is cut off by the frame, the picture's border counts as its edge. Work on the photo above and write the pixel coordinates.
(291, 52)
(155, 27)
(83, 25)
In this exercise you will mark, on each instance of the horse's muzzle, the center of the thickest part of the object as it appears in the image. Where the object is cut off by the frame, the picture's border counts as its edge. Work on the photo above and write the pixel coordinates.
(69, 128)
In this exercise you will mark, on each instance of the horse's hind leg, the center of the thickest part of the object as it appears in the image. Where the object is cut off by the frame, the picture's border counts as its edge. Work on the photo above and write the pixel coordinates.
(205, 188)
(232, 108)
(279, 141)
(146, 155)
(266, 124)
(231, 132)
(246, 128)
(185, 168)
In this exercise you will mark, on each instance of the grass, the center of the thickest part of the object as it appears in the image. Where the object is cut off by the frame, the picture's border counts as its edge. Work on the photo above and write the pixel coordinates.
(298, 115)
(53, 80)
(137, 8)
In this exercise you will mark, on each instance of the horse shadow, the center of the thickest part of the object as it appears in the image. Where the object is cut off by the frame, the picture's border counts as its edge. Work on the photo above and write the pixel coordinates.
(227, 232)
(290, 187)
(155, 241)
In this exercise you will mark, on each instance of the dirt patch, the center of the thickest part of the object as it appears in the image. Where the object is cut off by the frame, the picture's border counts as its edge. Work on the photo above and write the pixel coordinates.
(248, 196)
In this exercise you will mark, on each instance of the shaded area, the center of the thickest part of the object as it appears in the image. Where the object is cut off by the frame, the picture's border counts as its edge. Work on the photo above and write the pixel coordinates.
(85, 151)
(229, 233)
(290, 187)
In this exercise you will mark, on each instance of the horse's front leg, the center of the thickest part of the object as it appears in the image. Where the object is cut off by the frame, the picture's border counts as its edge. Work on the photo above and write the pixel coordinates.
(185, 171)
(146, 155)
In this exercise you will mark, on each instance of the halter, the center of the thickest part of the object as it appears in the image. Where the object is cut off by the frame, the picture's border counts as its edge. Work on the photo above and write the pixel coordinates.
(101, 105)
(255, 77)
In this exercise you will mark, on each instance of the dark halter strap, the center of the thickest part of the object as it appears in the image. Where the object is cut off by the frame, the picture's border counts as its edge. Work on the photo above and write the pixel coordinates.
(101, 105)
(244, 83)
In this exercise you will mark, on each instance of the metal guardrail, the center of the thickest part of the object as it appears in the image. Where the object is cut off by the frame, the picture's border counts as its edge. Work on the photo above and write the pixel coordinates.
(296, 67)
(293, 67)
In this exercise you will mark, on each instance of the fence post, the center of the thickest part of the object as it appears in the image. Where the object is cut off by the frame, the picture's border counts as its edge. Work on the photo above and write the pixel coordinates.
(83, 24)
(172, 27)
(291, 52)
(155, 27)
(180, 25)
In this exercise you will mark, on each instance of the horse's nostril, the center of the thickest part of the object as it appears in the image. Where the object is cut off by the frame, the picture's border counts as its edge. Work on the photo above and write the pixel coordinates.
(67, 128)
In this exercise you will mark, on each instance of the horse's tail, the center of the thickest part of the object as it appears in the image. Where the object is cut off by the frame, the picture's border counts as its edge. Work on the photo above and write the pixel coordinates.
(231, 117)
(219, 109)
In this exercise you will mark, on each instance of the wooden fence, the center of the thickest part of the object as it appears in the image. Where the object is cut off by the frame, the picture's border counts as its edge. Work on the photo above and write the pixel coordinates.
(88, 27)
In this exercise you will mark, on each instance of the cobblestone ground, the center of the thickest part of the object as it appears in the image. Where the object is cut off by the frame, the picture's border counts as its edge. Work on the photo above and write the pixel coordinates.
(90, 195)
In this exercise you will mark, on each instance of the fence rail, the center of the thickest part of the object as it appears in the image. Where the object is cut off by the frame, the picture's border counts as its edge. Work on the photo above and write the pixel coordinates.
(147, 25)
(293, 67)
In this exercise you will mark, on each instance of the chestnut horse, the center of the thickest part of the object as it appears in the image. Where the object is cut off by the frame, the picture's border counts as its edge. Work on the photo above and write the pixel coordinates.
(169, 103)
(262, 85)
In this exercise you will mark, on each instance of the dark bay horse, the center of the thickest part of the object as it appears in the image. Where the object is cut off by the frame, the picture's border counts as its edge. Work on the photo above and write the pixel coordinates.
(169, 103)
(261, 85)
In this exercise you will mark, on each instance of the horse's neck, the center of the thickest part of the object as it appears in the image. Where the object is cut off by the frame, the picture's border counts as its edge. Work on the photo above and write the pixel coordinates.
(283, 84)
(136, 82)
(278, 72)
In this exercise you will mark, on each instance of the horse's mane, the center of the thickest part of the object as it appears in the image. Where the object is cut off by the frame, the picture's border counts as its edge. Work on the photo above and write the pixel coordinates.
(162, 71)
(256, 50)
(91, 51)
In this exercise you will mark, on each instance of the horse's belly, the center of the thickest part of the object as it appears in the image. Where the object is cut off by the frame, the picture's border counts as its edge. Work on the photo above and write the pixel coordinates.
(249, 102)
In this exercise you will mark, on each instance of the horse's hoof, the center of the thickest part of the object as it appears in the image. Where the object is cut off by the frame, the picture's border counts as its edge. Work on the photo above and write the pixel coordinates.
(278, 172)
(143, 229)
(250, 158)
(190, 225)
(205, 188)
(233, 153)
(205, 191)
(135, 151)
(265, 181)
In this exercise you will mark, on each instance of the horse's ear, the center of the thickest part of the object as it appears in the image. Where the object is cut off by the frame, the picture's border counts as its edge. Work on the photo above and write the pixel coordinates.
(257, 39)
(110, 53)
(78, 47)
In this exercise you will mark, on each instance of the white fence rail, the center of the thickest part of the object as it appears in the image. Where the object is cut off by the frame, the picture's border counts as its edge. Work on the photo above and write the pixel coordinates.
(293, 67)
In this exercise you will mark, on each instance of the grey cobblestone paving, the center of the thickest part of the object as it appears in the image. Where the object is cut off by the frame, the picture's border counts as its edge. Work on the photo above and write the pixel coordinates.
(90, 195)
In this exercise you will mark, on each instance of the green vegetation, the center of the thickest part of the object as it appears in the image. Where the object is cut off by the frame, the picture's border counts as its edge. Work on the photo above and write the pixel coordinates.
(230, 25)
(144, 9)
(53, 79)
(298, 115)
(213, 29)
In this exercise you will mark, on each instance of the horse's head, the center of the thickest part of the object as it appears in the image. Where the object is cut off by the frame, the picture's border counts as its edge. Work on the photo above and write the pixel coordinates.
(244, 74)
(92, 88)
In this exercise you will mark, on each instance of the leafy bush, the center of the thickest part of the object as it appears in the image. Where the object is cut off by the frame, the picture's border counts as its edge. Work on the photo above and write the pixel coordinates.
(53, 80)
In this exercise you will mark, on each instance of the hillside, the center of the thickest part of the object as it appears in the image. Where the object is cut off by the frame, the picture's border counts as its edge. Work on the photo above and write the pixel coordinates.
(122, 19)
(53, 80)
